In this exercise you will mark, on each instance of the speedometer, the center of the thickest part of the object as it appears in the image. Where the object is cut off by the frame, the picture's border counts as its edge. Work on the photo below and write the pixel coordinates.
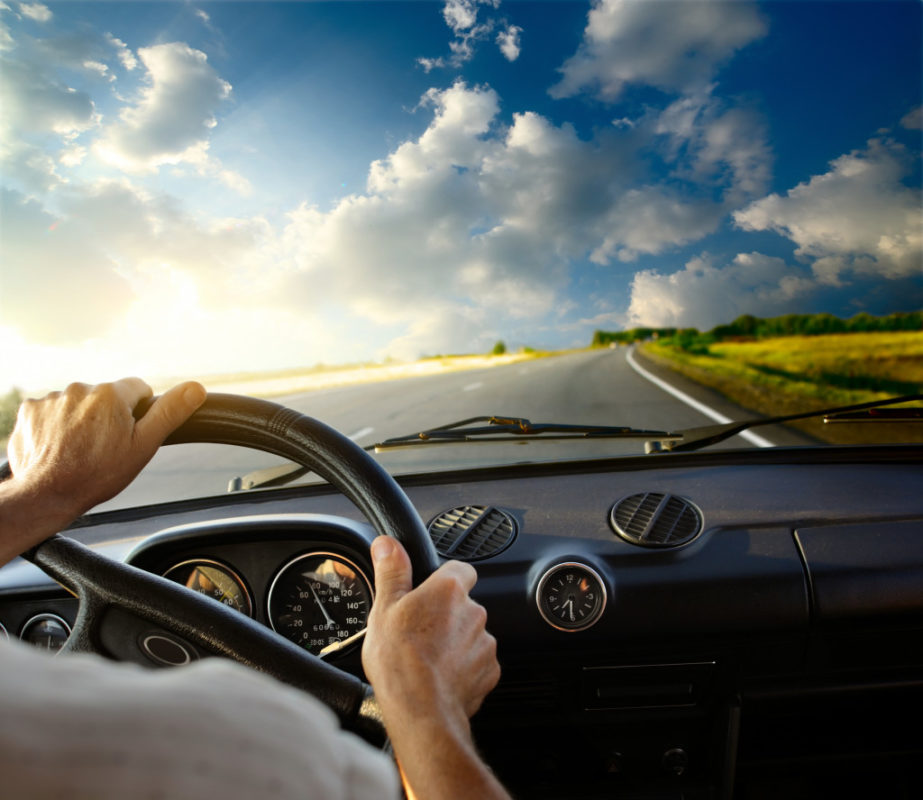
(318, 600)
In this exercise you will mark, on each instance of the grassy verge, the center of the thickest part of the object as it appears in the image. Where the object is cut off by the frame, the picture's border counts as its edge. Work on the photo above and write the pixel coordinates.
(790, 374)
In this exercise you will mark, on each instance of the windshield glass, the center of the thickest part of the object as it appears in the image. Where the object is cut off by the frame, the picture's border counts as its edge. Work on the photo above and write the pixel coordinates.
(392, 216)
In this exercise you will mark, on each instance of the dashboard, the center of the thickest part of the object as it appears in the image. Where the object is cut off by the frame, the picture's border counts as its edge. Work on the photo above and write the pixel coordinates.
(722, 624)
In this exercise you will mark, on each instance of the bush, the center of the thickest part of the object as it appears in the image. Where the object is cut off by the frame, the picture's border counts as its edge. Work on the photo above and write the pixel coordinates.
(9, 406)
(499, 348)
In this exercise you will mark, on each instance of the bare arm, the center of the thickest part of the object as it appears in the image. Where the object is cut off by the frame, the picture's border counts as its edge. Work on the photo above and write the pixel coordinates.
(75, 449)
(431, 662)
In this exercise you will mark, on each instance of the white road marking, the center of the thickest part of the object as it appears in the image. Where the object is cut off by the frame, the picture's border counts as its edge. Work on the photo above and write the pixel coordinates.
(472, 386)
(708, 411)
(360, 433)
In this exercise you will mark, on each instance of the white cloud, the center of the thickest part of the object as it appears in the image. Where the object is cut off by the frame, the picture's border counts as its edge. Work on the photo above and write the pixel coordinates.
(481, 215)
(462, 18)
(708, 143)
(701, 295)
(508, 40)
(913, 120)
(35, 11)
(126, 57)
(857, 219)
(172, 119)
(34, 102)
(676, 46)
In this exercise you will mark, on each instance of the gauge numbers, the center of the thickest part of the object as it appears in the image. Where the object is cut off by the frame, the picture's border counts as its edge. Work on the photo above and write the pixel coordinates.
(571, 597)
(213, 580)
(318, 600)
(46, 631)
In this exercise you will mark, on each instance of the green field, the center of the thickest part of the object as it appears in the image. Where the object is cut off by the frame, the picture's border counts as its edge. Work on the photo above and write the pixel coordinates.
(789, 374)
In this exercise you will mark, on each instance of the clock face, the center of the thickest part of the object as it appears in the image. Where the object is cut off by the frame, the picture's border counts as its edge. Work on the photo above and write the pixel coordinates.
(571, 597)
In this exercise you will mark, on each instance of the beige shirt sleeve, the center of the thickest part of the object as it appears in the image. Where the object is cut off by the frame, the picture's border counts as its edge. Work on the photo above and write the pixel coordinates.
(82, 728)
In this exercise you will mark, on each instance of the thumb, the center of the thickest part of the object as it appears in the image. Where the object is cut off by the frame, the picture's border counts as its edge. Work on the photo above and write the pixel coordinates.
(393, 578)
(168, 412)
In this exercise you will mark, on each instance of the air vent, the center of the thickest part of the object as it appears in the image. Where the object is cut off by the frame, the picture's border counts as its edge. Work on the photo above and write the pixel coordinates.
(656, 520)
(470, 533)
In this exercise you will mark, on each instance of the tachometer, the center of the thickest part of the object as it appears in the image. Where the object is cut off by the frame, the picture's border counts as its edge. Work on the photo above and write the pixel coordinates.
(318, 600)
(214, 580)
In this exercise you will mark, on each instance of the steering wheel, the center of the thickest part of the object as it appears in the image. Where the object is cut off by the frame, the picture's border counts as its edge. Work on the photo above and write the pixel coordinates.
(112, 593)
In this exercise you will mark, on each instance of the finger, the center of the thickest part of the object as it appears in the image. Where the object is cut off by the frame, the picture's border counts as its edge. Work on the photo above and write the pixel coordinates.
(465, 574)
(168, 412)
(393, 577)
(132, 390)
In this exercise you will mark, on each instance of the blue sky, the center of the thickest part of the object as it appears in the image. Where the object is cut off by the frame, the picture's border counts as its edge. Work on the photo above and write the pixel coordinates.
(191, 188)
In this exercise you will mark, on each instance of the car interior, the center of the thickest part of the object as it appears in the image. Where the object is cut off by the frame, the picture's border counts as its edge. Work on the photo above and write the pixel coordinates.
(726, 623)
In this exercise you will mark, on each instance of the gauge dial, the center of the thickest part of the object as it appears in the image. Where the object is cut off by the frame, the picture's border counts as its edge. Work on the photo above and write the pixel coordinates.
(571, 597)
(318, 600)
(213, 580)
(47, 631)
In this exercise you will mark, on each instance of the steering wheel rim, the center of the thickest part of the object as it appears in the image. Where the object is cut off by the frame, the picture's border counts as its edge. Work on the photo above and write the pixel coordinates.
(102, 584)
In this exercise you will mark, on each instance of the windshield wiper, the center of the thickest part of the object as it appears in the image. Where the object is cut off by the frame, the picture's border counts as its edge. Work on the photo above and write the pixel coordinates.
(508, 429)
(697, 438)
(497, 429)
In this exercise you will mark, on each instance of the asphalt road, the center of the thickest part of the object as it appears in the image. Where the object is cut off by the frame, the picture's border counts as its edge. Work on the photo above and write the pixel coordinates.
(594, 387)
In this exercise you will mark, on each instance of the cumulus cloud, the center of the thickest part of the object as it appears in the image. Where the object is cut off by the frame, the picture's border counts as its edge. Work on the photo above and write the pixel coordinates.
(126, 57)
(37, 108)
(483, 215)
(701, 294)
(35, 11)
(174, 114)
(508, 40)
(913, 120)
(707, 142)
(462, 18)
(671, 45)
(857, 219)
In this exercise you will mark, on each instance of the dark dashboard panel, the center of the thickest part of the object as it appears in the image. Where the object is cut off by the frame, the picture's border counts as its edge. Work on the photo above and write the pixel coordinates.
(772, 642)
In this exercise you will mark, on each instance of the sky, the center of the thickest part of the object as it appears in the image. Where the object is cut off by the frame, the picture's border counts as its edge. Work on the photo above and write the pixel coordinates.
(200, 188)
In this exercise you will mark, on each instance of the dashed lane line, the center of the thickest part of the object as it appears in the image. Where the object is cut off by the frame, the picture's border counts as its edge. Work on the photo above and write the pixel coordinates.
(708, 411)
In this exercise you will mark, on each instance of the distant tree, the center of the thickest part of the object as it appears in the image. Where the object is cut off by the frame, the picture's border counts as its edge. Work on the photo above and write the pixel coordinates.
(499, 348)
(9, 407)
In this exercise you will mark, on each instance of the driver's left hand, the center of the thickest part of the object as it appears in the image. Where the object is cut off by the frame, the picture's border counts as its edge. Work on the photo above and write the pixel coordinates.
(74, 449)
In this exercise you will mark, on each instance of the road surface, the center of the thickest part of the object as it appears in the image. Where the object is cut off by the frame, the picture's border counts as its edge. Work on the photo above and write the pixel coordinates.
(591, 387)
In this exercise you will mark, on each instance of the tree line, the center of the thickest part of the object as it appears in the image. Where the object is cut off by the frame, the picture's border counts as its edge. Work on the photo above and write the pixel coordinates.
(748, 327)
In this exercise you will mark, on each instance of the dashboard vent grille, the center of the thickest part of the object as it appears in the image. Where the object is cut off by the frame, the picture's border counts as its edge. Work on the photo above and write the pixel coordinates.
(470, 533)
(654, 519)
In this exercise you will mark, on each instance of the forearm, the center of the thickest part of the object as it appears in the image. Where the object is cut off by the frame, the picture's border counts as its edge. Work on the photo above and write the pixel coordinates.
(27, 517)
(440, 762)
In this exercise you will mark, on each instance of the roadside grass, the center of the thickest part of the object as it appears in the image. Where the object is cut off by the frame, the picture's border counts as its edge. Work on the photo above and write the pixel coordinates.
(790, 374)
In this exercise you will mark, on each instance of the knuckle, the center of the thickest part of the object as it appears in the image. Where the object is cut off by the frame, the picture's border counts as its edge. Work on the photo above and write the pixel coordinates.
(76, 390)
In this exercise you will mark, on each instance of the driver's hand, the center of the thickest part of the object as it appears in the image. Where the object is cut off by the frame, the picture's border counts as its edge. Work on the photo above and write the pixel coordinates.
(75, 449)
(427, 648)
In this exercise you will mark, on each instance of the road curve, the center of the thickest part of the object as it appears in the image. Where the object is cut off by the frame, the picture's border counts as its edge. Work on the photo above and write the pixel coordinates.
(591, 387)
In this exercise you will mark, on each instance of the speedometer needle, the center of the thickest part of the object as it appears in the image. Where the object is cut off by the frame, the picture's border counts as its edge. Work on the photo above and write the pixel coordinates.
(330, 622)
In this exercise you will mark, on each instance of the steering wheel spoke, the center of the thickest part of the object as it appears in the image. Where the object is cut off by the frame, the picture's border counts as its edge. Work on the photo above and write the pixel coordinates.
(129, 607)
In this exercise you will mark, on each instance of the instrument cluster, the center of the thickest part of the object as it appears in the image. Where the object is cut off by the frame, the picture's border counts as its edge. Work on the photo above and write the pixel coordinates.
(319, 599)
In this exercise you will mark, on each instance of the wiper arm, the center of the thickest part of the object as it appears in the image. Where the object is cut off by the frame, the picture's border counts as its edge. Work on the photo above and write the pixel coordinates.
(697, 438)
(507, 429)
(498, 429)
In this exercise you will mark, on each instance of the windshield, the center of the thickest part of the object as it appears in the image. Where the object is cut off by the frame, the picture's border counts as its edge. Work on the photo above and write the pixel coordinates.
(392, 216)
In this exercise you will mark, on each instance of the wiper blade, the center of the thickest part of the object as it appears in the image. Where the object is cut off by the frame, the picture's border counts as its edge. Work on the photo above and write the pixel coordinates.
(506, 429)
(697, 438)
